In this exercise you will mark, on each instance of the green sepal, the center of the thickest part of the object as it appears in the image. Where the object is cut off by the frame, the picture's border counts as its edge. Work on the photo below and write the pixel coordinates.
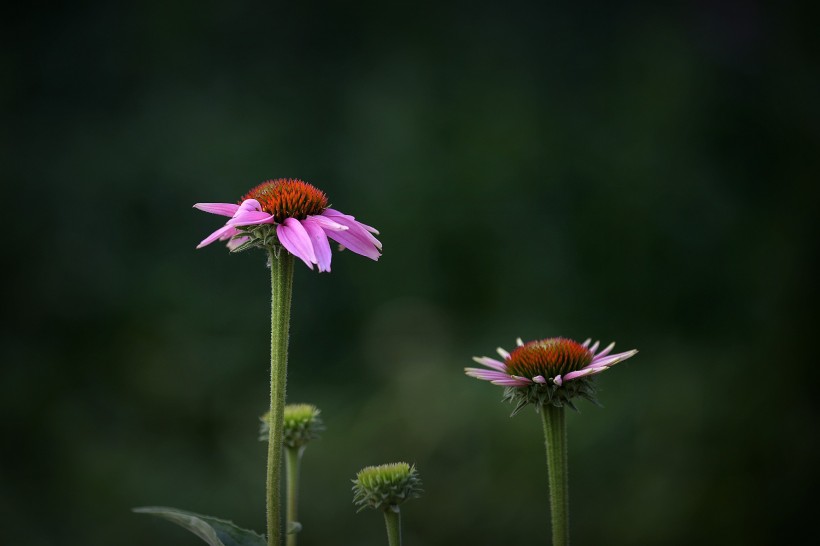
(216, 532)
(259, 236)
(540, 394)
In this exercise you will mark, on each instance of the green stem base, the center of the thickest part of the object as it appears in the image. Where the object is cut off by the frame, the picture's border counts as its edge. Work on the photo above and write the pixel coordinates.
(392, 519)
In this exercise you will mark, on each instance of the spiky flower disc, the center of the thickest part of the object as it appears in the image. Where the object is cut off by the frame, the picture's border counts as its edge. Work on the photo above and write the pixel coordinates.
(385, 486)
(302, 424)
(548, 371)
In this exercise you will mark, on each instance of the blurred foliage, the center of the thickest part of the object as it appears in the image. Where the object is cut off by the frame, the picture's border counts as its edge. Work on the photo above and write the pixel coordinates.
(639, 173)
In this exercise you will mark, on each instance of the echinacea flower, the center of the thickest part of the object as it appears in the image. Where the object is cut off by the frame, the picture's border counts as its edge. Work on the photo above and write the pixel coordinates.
(295, 215)
(553, 370)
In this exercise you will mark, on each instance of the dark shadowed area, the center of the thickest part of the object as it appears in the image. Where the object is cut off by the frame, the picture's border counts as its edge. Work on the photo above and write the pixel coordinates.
(639, 173)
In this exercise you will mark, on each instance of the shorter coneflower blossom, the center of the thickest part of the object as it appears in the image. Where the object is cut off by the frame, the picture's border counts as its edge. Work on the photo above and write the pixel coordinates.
(386, 486)
(295, 215)
(302, 424)
(553, 370)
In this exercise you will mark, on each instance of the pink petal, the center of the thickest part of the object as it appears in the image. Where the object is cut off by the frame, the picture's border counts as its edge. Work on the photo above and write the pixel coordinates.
(502, 353)
(491, 363)
(319, 240)
(587, 342)
(218, 234)
(519, 342)
(594, 347)
(521, 382)
(557, 380)
(539, 379)
(361, 230)
(296, 240)
(327, 223)
(612, 359)
(223, 209)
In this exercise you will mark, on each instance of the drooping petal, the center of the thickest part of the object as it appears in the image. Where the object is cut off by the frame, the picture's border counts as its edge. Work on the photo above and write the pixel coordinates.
(296, 240)
(250, 213)
(356, 227)
(487, 375)
(218, 234)
(319, 240)
(491, 363)
(223, 209)
(611, 360)
(355, 238)
(583, 372)
(539, 379)
(502, 353)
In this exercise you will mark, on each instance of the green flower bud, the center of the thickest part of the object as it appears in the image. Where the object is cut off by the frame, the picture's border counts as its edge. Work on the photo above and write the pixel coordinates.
(386, 486)
(301, 425)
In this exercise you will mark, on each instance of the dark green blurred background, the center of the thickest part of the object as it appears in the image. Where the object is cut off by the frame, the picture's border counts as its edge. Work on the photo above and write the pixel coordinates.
(635, 173)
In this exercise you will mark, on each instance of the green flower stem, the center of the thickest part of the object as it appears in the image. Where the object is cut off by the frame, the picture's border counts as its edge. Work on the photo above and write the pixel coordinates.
(281, 277)
(555, 437)
(293, 458)
(392, 519)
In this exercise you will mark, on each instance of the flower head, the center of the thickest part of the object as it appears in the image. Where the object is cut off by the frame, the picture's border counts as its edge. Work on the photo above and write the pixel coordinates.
(302, 424)
(548, 371)
(386, 486)
(295, 215)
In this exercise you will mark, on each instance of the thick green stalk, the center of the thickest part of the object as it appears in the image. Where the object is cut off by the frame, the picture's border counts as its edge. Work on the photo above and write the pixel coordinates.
(281, 276)
(392, 519)
(293, 458)
(555, 437)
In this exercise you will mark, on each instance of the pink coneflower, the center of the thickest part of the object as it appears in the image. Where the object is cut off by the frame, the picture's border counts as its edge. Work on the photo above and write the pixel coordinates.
(302, 220)
(548, 370)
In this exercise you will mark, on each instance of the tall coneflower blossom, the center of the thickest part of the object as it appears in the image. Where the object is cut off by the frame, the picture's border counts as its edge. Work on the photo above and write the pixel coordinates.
(549, 374)
(295, 215)
(287, 218)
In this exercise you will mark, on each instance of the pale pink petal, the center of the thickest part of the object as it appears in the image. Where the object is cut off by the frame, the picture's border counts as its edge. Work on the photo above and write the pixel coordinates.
(611, 360)
(583, 372)
(223, 209)
(296, 240)
(229, 233)
(491, 363)
(502, 353)
(539, 379)
(587, 342)
(519, 382)
(487, 375)
(319, 240)
(594, 347)
(214, 236)
(520, 342)
(606, 350)
(236, 242)
(557, 380)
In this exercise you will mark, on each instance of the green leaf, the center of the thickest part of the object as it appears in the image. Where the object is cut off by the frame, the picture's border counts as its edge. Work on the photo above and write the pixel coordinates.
(216, 532)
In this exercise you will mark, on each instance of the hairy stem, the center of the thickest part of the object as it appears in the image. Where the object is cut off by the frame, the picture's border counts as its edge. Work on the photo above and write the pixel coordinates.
(281, 274)
(555, 437)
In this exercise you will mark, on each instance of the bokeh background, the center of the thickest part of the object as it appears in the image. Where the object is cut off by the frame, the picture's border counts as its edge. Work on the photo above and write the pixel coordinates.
(629, 172)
